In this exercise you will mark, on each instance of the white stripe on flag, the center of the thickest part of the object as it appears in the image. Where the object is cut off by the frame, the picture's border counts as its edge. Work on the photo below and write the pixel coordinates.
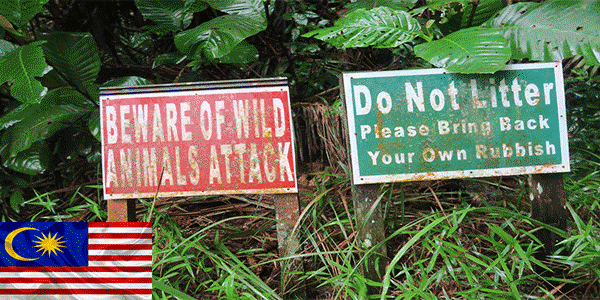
(78, 275)
(76, 297)
(119, 263)
(120, 252)
(119, 230)
(75, 285)
(119, 241)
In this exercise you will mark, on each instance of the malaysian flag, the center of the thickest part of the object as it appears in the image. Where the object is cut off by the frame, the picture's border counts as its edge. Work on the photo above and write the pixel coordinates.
(76, 260)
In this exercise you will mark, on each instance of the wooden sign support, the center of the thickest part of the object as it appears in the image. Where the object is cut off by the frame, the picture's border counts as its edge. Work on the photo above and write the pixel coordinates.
(548, 198)
(368, 217)
(121, 210)
(287, 212)
(370, 224)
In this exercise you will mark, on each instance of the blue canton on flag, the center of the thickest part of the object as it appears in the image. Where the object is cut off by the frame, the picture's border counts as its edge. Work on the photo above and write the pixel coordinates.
(44, 244)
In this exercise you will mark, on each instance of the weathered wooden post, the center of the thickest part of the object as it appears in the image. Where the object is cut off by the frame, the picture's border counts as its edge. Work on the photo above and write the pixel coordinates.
(548, 198)
(121, 210)
(287, 213)
(368, 215)
(432, 124)
(208, 138)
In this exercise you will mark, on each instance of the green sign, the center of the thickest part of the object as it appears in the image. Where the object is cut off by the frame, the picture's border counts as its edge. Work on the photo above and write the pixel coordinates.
(434, 124)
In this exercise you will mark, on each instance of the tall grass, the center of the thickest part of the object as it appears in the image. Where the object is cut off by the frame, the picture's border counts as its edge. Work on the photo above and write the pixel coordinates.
(475, 240)
(468, 250)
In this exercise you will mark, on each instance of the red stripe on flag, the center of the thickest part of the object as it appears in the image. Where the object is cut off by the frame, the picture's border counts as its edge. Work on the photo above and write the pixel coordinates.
(119, 247)
(75, 269)
(75, 291)
(120, 224)
(97, 235)
(120, 257)
(76, 280)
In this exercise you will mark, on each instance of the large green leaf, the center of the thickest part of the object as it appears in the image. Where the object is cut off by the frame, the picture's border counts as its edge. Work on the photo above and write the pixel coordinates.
(254, 9)
(370, 4)
(243, 53)
(483, 12)
(32, 161)
(19, 67)
(552, 30)
(58, 109)
(15, 116)
(19, 12)
(473, 50)
(380, 27)
(74, 55)
(217, 37)
(177, 14)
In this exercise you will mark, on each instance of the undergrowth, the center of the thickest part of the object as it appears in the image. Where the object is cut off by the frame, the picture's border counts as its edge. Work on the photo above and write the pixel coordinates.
(453, 239)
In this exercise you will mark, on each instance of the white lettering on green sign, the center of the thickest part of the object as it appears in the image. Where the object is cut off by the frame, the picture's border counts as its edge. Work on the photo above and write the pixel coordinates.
(428, 124)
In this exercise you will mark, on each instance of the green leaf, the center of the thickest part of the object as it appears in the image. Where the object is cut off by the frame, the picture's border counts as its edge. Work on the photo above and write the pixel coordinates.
(14, 116)
(7, 47)
(127, 81)
(177, 14)
(19, 67)
(443, 6)
(16, 200)
(194, 6)
(473, 50)
(74, 55)
(168, 58)
(57, 110)
(5, 24)
(159, 285)
(370, 4)
(552, 30)
(32, 161)
(380, 27)
(94, 125)
(19, 12)
(243, 53)
(254, 9)
(73, 142)
(483, 12)
(53, 80)
(217, 37)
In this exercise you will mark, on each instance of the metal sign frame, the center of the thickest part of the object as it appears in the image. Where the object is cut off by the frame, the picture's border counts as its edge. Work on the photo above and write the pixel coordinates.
(354, 133)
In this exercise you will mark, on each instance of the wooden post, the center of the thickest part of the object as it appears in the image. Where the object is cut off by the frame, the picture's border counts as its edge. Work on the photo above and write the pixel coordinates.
(370, 226)
(287, 213)
(547, 194)
(121, 210)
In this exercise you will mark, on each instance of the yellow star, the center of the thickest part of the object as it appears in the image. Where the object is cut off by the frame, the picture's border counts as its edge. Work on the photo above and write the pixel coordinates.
(49, 243)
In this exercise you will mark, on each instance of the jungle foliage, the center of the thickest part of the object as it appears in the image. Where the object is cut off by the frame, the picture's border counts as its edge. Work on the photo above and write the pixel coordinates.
(50, 73)
(56, 54)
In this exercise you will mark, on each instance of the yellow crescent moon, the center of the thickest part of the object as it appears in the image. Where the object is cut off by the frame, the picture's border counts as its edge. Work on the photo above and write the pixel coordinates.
(9, 247)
